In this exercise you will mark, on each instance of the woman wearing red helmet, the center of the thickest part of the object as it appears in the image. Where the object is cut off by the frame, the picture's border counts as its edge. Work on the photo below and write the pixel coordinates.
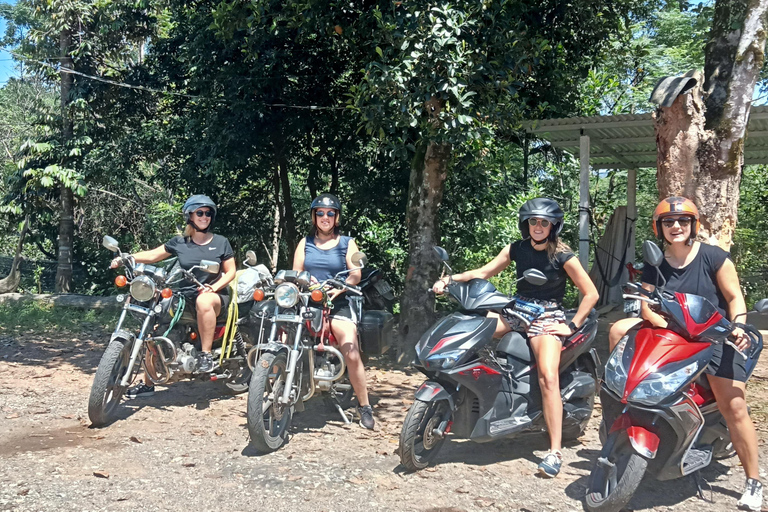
(540, 222)
(706, 270)
(324, 253)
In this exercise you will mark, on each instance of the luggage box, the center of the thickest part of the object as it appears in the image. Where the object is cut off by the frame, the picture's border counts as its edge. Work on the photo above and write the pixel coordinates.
(376, 331)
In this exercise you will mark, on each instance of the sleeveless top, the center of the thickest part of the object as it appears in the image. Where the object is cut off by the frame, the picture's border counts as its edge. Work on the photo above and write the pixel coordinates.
(525, 257)
(324, 264)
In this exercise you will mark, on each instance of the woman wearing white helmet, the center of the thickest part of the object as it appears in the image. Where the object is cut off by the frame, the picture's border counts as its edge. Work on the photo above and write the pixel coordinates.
(212, 298)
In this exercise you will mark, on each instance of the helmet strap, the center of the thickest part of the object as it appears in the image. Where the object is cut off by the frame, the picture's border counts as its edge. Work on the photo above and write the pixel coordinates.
(194, 226)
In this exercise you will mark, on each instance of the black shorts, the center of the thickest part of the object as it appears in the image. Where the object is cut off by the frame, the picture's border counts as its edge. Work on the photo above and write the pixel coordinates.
(225, 300)
(728, 364)
(342, 310)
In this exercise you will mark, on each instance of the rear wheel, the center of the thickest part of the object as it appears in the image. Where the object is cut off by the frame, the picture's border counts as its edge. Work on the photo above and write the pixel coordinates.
(616, 475)
(268, 420)
(418, 443)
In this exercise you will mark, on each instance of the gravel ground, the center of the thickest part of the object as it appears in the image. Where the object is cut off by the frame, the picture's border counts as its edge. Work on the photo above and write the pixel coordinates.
(187, 448)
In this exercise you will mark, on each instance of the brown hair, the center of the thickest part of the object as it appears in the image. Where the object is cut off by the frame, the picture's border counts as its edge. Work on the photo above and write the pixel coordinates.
(555, 247)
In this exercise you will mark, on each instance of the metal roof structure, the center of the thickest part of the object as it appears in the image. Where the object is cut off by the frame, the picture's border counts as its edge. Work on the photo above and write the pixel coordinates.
(628, 141)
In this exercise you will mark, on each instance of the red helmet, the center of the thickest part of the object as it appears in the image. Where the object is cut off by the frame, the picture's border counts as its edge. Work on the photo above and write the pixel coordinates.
(675, 206)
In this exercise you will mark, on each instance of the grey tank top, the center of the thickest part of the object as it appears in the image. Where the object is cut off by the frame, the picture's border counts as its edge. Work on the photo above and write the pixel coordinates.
(323, 264)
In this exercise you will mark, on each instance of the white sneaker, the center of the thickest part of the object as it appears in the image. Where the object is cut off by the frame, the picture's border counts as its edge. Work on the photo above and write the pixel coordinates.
(752, 499)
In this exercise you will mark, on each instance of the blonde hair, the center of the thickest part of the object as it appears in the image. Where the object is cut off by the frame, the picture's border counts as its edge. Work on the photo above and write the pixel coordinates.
(555, 247)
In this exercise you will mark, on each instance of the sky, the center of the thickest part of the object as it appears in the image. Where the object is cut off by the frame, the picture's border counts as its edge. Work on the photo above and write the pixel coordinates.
(7, 66)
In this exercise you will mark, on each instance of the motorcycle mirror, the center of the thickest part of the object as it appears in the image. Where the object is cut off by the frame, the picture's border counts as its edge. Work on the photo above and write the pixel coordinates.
(359, 259)
(209, 266)
(535, 277)
(250, 258)
(110, 243)
(652, 254)
(761, 306)
(441, 253)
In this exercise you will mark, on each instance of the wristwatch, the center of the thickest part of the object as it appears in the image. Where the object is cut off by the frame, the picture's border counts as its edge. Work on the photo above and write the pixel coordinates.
(572, 327)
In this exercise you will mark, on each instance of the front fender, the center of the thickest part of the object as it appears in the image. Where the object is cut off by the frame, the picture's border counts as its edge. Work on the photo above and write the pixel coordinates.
(645, 442)
(122, 334)
(431, 391)
(272, 348)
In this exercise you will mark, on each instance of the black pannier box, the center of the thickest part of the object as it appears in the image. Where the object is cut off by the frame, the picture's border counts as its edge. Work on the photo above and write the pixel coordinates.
(376, 331)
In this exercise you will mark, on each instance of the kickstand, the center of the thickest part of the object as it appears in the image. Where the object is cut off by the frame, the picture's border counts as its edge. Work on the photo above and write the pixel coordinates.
(338, 408)
(698, 481)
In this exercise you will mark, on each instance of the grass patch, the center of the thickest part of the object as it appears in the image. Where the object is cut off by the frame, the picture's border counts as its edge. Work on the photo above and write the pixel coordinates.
(45, 317)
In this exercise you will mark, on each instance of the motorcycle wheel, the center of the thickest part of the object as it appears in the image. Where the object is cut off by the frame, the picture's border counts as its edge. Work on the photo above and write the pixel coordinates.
(268, 421)
(418, 445)
(238, 383)
(615, 476)
(106, 391)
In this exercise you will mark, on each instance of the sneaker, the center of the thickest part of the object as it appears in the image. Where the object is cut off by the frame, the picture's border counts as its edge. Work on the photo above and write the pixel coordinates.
(752, 499)
(549, 467)
(204, 362)
(140, 389)
(366, 417)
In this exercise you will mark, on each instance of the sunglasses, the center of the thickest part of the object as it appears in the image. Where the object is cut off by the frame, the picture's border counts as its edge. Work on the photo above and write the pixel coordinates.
(670, 222)
(207, 213)
(542, 222)
(330, 214)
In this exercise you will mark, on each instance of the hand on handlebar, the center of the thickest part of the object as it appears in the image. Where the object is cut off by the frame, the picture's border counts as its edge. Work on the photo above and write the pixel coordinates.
(205, 288)
(439, 287)
(333, 293)
(741, 341)
(116, 262)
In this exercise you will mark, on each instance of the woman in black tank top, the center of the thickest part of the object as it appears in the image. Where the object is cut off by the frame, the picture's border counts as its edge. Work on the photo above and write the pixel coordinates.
(540, 221)
(692, 267)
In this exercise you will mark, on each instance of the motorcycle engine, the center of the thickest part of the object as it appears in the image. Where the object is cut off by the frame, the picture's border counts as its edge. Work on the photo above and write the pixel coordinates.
(326, 370)
(187, 358)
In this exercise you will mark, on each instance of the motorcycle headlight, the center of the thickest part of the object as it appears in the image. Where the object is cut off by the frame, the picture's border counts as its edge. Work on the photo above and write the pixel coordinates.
(143, 288)
(287, 295)
(446, 359)
(657, 386)
(615, 372)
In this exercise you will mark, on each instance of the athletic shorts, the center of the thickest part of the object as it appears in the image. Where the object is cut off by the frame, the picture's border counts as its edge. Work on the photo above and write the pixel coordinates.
(225, 300)
(728, 364)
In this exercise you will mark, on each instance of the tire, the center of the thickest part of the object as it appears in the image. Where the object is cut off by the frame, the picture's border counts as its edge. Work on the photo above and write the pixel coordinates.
(605, 494)
(268, 427)
(105, 390)
(238, 384)
(423, 417)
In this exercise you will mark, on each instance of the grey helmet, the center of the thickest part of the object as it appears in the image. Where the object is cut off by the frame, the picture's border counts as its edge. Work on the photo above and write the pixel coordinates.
(196, 202)
(325, 200)
(543, 208)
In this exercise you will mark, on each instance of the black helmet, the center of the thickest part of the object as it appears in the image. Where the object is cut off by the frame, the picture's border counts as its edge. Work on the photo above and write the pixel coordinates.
(196, 202)
(325, 200)
(543, 208)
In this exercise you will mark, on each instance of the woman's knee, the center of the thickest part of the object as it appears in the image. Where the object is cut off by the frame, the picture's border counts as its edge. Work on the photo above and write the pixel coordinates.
(619, 329)
(206, 303)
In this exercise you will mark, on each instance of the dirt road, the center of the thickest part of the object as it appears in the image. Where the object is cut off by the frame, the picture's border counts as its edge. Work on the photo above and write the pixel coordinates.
(186, 448)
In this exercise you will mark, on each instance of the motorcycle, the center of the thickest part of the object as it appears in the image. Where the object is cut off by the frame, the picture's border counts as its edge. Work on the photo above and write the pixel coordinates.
(167, 342)
(480, 392)
(631, 305)
(300, 358)
(660, 415)
(377, 292)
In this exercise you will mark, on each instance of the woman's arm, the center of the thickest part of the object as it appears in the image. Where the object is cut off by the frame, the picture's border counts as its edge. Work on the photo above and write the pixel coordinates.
(150, 256)
(585, 286)
(230, 269)
(298, 256)
(490, 269)
(647, 313)
(353, 277)
(728, 284)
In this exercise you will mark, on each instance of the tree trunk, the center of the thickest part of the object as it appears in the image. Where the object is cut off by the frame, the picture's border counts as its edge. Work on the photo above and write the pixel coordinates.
(289, 217)
(275, 238)
(66, 218)
(9, 283)
(701, 143)
(428, 174)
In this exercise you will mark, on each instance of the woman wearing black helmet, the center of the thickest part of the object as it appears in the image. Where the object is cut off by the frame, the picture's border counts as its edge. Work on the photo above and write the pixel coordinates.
(210, 300)
(540, 221)
(324, 253)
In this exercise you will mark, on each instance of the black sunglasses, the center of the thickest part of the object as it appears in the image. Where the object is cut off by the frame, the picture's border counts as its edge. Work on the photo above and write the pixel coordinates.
(207, 213)
(670, 222)
(331, 214)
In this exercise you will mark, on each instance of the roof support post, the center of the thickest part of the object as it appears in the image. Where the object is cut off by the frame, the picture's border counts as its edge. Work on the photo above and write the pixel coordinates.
(631, 212)
(584, 201)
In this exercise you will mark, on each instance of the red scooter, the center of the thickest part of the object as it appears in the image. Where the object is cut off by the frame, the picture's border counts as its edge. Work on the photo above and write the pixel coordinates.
(660, 414)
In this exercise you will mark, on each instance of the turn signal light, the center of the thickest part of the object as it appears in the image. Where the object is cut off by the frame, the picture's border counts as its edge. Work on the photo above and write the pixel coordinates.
(166, 293)
(120, 281)
(317, 295)
(193, 336)
(258, 295)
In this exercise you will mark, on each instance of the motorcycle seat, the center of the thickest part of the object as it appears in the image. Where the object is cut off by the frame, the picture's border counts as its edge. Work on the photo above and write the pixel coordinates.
(515, 344)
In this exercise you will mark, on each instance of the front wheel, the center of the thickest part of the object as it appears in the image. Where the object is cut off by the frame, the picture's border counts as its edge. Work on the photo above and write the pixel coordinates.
(268, 420)
(106, 390)
(615, 477)
(419, 444)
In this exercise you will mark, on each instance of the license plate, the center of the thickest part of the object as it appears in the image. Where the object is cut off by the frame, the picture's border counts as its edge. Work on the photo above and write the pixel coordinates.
(382, 287)
(631, 306)
(288, 318)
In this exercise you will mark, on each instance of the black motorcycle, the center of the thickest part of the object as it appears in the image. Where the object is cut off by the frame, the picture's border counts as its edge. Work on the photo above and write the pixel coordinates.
(480, 392)
(377, 292)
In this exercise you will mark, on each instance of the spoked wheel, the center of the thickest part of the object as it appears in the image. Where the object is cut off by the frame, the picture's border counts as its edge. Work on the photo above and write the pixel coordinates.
(616, 475)
(418, 443)
(106, 390)
(268, 419)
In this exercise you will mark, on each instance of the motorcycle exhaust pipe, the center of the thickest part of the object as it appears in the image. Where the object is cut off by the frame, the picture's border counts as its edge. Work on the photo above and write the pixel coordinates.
(155, 361)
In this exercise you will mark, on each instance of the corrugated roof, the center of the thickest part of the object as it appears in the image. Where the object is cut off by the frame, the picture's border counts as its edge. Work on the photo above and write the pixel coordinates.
(628, 140)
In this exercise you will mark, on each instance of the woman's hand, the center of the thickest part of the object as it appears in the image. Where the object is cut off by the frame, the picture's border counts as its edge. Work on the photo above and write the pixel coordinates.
(206, 288)
(558, 330)
(333, 293)
(115, 262)
(439, 287)
(740, 339)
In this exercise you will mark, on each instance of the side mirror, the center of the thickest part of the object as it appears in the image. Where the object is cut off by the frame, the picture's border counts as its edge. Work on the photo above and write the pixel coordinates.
(250, 258)
(652, 254)
(209, 266)
(110, 243)
(359, 259)
(761, 306)
(441, 253)
(535, 277)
